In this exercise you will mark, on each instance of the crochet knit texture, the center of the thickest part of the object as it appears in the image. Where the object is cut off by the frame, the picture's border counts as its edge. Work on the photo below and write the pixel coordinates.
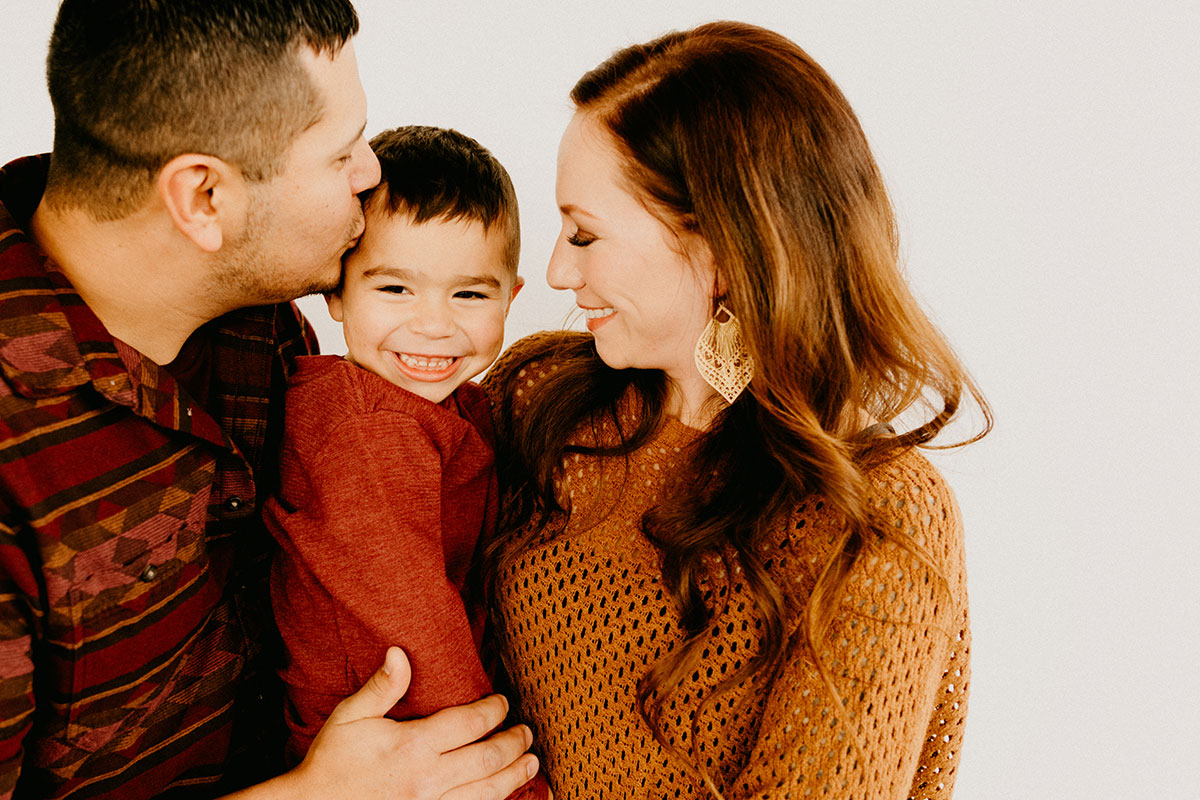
(585, 615)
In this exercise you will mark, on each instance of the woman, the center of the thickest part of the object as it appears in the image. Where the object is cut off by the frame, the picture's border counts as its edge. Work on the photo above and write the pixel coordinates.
(721, 573)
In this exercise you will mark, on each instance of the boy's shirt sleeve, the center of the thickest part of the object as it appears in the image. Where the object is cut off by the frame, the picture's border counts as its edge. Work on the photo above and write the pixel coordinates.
(363, 567)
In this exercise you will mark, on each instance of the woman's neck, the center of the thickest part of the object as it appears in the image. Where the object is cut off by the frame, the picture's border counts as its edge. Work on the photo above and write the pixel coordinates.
(693, 402)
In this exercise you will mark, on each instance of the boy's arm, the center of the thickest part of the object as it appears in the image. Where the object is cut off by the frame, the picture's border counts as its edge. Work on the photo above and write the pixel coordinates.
(372, 538)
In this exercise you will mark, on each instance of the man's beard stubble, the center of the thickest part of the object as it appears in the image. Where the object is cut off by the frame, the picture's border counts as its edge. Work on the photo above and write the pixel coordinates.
(249, 277)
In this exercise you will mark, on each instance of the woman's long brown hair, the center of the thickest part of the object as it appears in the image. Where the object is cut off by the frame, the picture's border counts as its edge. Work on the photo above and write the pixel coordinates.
(733, 132)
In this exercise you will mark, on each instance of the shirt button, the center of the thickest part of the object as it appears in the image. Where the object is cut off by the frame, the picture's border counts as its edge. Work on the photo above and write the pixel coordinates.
(233, 503)
(149, 573)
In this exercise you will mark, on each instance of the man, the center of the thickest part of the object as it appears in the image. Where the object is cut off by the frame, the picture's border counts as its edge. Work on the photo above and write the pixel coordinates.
(207, 157)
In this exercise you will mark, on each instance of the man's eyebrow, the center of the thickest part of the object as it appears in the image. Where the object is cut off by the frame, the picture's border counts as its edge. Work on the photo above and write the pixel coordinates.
(354, 139)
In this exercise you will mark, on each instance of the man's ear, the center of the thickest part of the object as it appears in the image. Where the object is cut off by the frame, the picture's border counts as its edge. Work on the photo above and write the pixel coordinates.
(206, 197)
(512, 295)
(334, 299)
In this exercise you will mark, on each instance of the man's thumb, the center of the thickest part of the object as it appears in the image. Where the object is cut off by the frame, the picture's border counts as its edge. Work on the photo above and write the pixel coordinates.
(381, 691)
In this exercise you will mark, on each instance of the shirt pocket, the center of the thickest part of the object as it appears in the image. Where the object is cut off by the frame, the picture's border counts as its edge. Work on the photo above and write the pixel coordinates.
(138, 594)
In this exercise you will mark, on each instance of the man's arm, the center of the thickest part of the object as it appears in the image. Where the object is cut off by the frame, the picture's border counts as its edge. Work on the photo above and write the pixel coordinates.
(17, 587)
(359, 753)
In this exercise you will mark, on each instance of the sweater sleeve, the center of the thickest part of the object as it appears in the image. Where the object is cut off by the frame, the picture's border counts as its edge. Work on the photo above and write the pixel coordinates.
(368, 545)
(896, 652)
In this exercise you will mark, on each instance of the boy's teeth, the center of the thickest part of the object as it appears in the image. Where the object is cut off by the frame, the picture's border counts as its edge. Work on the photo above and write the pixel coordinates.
(431, 364)
(596, 313)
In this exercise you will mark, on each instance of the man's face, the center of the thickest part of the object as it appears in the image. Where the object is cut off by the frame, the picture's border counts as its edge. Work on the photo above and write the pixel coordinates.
(301, 221)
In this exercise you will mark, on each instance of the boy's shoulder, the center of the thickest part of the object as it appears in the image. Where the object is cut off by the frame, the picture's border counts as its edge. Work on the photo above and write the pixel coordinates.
(326, 392)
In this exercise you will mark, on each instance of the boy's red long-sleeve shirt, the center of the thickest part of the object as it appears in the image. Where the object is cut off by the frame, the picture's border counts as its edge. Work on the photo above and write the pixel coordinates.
(383, 498)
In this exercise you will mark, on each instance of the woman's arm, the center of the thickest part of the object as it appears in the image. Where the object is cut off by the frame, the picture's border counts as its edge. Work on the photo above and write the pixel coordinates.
(896, 653)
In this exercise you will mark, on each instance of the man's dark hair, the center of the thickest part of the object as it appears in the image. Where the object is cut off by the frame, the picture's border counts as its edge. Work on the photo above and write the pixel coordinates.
(439, 173)
(136, 83)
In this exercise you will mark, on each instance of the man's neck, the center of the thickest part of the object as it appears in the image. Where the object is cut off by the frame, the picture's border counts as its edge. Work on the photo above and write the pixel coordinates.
(139, 280)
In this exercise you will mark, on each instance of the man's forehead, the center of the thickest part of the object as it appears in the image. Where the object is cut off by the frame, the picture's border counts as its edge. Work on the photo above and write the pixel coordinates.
(334, 75)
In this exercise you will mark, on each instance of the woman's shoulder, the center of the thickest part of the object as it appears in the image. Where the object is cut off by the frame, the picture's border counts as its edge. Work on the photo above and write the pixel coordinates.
(909, 494)
(910, 499)
(529, 361)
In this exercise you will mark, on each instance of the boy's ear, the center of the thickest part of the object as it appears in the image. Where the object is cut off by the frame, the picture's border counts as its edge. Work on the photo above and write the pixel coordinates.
(334, 299)
(512, 295)
(206, 198)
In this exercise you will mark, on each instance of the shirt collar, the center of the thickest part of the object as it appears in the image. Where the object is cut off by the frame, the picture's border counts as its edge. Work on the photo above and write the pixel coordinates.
(50, 341)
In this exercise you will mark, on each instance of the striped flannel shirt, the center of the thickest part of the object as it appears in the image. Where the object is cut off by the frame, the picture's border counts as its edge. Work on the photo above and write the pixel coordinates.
(136, 648)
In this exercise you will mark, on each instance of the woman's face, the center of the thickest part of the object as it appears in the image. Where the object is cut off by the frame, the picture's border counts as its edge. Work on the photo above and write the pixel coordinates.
(646, 292)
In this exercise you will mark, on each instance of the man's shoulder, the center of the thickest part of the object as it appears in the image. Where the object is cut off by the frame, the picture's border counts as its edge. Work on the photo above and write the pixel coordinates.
(39, 351)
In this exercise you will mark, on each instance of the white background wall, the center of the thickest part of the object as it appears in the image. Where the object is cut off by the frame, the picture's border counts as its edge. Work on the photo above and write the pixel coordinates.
(1045, 164)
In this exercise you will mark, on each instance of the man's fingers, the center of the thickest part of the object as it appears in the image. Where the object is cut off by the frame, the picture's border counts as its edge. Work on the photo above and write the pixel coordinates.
(499, 785)
(493, 759)
(451, 728)
(381, 691)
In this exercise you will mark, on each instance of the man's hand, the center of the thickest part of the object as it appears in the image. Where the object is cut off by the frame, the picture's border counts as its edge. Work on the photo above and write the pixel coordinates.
(358, 753)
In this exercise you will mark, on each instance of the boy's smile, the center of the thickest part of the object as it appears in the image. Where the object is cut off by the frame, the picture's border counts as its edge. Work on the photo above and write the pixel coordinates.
(423, 305)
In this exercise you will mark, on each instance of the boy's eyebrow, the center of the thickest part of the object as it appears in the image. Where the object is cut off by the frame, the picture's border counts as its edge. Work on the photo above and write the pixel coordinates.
(391, 272)
(408, 275)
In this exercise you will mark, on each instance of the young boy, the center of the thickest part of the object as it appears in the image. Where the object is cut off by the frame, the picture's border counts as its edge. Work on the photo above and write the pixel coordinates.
(387, 466)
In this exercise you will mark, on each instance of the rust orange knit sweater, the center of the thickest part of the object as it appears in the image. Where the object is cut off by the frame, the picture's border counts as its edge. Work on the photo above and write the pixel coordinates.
(585, 616)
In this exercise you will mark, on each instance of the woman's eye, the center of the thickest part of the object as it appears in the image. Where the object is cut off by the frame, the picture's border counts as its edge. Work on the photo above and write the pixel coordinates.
(580, 239)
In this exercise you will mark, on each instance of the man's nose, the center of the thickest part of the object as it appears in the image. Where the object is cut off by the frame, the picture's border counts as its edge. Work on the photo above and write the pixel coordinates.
(365, 167)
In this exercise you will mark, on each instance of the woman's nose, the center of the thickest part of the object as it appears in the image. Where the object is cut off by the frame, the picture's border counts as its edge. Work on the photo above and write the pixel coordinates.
(561, 272)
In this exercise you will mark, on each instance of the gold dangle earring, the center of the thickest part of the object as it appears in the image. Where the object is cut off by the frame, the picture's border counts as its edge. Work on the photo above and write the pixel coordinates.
(722, 357)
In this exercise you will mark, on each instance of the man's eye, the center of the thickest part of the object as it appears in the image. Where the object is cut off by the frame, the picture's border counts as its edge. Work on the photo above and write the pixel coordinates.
(580, 239)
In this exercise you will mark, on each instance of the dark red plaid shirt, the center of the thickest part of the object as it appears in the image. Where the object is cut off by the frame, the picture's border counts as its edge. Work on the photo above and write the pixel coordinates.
(136, 651)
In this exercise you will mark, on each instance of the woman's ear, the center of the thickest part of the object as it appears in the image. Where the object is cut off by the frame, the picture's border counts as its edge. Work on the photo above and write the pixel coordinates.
(701, 257)
(205, 197)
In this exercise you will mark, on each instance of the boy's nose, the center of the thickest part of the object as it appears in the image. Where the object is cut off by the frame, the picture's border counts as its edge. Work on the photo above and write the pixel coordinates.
(434, 320)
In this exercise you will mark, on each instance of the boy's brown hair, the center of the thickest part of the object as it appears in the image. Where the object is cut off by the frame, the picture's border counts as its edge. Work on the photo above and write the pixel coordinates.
(430, 173)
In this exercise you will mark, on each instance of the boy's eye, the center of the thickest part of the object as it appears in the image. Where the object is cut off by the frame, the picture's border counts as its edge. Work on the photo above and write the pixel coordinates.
(580, 239)
(393, 288)
(471, 295)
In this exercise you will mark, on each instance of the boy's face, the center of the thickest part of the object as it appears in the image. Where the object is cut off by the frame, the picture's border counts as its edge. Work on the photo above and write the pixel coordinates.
(423, 305)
